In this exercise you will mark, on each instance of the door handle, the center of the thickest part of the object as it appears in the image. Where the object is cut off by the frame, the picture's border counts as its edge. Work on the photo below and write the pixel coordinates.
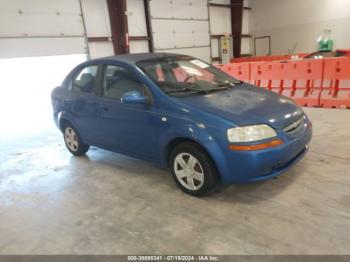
(105, 108)
(68, 101)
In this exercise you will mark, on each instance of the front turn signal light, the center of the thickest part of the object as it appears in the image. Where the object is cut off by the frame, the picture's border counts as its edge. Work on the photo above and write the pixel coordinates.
(273, 143)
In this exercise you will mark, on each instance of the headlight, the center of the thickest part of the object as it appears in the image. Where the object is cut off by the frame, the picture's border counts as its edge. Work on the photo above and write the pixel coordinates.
(250, 133)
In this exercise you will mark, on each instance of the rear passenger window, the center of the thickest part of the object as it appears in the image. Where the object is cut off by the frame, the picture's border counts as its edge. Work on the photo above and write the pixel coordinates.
(85, 81)
(117, 81)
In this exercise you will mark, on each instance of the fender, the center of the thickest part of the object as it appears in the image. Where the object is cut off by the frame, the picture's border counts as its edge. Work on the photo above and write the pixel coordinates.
(197, 133)
(63, 115)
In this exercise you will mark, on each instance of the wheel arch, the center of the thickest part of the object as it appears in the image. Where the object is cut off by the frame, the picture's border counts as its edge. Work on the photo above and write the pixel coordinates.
(179, 140)
(63, 118)
(62, 122)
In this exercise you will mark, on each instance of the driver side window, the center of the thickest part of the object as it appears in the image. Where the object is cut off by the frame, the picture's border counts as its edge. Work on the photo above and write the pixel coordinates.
(117, 81)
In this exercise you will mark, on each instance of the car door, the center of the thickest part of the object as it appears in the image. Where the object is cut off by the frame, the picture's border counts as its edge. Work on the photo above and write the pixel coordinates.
(127, 128)
(82, 104)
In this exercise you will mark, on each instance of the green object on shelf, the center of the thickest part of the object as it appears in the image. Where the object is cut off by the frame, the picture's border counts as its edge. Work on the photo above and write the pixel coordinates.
(325, 45)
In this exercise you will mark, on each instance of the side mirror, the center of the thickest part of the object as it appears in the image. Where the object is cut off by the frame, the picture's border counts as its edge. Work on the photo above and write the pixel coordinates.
(133, 97)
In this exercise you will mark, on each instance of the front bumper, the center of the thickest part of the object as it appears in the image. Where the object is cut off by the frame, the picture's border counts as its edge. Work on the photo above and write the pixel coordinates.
(251, 166)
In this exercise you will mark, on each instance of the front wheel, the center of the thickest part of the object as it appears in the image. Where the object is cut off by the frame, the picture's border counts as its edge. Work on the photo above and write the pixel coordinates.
(192, 169)
(73, 142)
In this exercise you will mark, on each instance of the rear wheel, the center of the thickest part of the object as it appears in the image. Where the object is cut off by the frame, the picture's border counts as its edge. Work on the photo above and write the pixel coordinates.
(73, 142)
(192, 169)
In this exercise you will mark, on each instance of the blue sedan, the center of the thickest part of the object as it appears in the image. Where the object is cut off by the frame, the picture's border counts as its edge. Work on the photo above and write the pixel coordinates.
(182, 113)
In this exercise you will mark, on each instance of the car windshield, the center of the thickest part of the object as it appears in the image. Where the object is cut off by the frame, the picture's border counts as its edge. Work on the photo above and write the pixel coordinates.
(184, 75)
(325, 54)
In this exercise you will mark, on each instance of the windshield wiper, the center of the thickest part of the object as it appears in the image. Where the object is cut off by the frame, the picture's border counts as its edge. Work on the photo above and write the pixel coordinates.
(228, 84)
(184, 90)
(203, 91)
(219, 86)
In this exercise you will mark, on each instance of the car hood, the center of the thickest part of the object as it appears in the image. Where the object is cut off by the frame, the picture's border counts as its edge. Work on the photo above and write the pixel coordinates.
(245, 104)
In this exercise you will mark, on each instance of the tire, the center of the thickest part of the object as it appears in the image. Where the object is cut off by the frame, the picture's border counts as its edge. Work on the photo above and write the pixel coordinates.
(73, 141)
(192, 169)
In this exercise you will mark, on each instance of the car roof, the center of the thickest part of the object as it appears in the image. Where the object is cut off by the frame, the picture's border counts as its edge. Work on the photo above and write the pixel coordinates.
(137, 57)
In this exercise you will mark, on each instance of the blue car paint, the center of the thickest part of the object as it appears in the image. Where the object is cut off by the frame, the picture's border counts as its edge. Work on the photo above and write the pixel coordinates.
(145, 132)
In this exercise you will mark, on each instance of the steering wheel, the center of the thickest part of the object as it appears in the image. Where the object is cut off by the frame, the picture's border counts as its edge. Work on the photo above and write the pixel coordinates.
(190, 77)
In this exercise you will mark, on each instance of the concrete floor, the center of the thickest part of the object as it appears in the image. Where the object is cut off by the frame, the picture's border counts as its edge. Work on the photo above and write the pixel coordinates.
(105, 203)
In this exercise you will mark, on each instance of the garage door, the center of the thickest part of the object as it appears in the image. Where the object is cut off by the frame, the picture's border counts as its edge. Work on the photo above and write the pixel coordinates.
(181, 26)
(40, 28)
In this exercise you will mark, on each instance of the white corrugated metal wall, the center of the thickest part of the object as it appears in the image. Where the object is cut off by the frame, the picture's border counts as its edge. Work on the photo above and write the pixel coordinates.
(181, 26)
(97, 25)
(49, 27)
(40, 28)
(137, 26)
(220, 24)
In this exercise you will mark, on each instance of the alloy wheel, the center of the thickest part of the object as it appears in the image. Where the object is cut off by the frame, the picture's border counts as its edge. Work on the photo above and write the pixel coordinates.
(71, 139)
(189, 171)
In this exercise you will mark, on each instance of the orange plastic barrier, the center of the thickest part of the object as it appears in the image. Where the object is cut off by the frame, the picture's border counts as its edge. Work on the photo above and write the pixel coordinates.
(260, 59)
(264, 58)
(239, 71)
(278, 76)
(316, 82)
(269, 75)
(299, 80)
(260, 74)
(336, 83)
(303, 81)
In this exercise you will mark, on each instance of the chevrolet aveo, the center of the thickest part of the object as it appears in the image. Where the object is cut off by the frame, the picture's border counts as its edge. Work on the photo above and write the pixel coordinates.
(180, 112)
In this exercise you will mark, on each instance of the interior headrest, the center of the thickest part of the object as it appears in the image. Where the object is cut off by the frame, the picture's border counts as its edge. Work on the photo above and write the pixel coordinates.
(86, 78)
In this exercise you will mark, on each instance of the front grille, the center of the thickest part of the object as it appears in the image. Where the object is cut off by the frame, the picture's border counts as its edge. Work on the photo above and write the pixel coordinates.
(295, 125)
